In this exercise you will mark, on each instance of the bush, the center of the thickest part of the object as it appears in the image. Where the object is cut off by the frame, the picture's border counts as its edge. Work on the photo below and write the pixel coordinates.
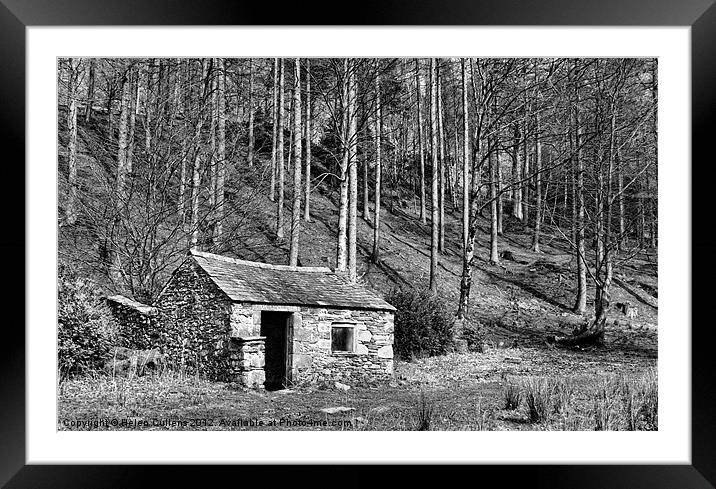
(474, 336)
(423, 325)
(85, 327)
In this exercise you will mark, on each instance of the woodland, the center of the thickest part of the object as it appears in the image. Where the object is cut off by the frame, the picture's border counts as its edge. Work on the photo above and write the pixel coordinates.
(515, 196)
(160, 155)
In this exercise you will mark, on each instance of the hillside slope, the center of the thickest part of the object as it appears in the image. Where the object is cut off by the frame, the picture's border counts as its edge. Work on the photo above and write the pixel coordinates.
(518, 303)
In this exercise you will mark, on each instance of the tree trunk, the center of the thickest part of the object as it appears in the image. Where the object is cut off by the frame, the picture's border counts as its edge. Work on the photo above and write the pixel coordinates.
(279, 151)
(307, 208)
(421, 148)
(221, 152)
(196, 168)
(121, 194)
(341, 245)
(620, 197)
(465, 163)
(441, 176)
(525, 167)
(494, 253)
(353, 182)
(580, 304)
(250, 152)
(498, 177)
(134, 93)
(378, 168)
(123, 143)
(468, 257)
(296, 217)
(71, 210)
(517, 176)
(366, 208)
(90, 90)
(272, 193)
(149, 109)
(538, 186)
(184, 146)
(434, 153)
(213, 166)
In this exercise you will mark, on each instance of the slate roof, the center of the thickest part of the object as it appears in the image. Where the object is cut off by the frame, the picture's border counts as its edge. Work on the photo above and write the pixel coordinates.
(261, 283)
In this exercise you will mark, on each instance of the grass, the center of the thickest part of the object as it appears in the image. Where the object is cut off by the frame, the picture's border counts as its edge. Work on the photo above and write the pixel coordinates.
(537, 396)
(512, 395)
(172, 401)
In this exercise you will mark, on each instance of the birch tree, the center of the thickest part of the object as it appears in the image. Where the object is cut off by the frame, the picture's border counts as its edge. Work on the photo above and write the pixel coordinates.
(296, 216)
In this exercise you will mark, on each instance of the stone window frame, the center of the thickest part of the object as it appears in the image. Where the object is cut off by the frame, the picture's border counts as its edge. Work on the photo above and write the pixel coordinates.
(345, 324)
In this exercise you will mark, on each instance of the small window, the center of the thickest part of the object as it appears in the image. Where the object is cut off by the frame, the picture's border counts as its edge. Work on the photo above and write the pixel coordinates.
(342, 338)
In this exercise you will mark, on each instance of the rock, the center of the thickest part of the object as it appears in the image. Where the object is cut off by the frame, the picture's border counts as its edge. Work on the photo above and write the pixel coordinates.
(461, 346)
(125, 361)
(364, 335)
(337, 409)
(385, 351)
(507, 255)
(513, 360)
(341, 386)
(380, 409)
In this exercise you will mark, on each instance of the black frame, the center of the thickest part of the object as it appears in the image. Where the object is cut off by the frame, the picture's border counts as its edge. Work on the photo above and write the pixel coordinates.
(15, 15)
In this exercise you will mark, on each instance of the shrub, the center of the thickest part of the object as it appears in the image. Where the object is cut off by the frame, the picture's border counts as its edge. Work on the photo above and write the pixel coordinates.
(423, 325)
(85, 327)
(474, 335)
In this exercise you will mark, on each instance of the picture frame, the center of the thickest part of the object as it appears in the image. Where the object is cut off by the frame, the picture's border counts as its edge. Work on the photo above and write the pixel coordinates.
(17, 15)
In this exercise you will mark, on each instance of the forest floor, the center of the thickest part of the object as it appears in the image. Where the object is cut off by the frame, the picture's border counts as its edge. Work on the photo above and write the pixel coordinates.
(519, 303)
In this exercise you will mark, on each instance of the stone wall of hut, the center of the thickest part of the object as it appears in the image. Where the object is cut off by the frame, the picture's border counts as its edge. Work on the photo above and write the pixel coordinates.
(194, 323)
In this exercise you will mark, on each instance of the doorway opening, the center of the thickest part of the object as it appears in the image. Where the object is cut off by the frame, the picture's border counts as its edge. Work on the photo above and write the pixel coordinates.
(276, 327)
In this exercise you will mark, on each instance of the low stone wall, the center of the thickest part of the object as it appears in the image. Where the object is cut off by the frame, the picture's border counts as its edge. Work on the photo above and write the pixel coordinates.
(138, 323)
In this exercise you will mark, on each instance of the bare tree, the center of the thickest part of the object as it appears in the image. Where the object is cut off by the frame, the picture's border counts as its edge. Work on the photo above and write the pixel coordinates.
(221, 151)
(251, 144)
(279, 150)
(71, 209)
(465, 160)
(421, 146)
(580, 304)
(378, 166)
(296, 216)
(353, 179)
(307, 208)
(434, 152)
(442, 164)
(90, 89)
(342, 241)
(274, 125)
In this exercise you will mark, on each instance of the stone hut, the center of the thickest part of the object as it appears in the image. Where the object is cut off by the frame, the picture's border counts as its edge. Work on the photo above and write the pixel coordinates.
(270, 325)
